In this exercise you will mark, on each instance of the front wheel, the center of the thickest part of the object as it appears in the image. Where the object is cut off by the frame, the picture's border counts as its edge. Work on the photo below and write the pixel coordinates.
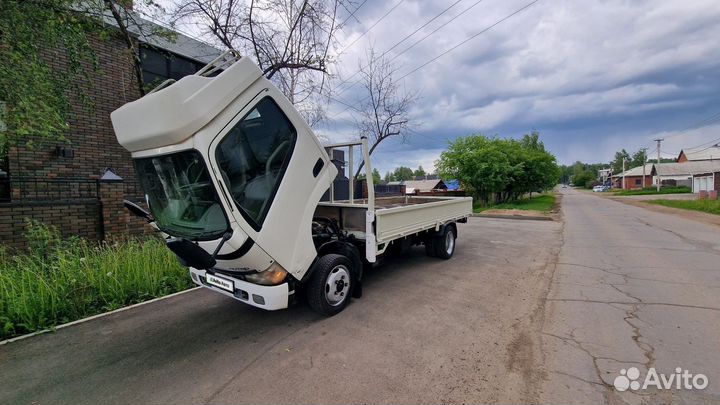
(330, 285)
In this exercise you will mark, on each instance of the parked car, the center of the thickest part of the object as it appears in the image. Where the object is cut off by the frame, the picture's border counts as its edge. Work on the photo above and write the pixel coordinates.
(598, 189)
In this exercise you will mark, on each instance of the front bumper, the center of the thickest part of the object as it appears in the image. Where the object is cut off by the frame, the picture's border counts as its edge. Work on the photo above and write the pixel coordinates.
(270, 298)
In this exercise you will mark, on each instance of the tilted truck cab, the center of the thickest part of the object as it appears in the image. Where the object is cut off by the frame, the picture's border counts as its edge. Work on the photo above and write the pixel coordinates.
(234, 176)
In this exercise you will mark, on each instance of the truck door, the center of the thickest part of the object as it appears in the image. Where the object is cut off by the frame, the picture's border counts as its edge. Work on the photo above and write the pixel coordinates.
(274, 171)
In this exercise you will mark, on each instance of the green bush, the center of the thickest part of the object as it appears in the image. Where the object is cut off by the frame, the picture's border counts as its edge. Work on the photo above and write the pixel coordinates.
(542, 203)
(709, 206)
(58, 280)
(653, 190)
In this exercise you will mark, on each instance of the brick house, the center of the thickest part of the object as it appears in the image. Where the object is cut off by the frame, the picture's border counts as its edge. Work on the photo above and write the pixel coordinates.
(634, 178)
(62, 183)
(699, 154)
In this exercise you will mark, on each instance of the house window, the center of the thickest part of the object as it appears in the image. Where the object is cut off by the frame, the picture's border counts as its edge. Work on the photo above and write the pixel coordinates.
(638, 182)
(158, 66)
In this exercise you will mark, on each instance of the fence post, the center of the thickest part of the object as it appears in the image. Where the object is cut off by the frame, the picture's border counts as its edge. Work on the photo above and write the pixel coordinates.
(111, 192)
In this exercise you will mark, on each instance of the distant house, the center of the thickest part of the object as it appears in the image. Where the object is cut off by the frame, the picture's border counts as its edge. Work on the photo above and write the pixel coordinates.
(452, 185)
(421, 186)
(604, 175)
(690, 173)
(699, 154)
(634, 178)
(708, 181)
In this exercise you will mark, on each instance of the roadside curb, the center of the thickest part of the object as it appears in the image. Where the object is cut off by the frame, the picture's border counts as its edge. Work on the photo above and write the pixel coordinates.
(516, 217)
(91, 318)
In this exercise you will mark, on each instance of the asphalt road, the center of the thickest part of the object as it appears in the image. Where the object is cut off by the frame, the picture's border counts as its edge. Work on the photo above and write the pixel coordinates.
(426, 331)
(632, 288)
(526, 312)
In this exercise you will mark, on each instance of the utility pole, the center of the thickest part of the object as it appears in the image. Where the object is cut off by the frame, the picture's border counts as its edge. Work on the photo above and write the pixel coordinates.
(657, 172)
(624, 184)
(644, 163)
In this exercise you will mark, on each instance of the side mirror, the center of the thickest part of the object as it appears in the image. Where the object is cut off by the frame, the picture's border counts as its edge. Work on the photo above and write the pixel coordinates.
(191, 254)
(138, 211)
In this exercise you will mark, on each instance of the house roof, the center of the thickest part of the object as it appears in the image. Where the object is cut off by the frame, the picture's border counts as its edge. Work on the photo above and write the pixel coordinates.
(706, 153)
(452, 185)
(419, 185)
(145, 31)
(636, 171)
(687, 168)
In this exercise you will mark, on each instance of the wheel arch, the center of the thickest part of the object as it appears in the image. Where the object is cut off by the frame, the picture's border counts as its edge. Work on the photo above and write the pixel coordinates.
(342, 248)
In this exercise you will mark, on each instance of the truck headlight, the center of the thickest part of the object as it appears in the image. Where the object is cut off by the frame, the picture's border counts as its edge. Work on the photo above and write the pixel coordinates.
(274, 275)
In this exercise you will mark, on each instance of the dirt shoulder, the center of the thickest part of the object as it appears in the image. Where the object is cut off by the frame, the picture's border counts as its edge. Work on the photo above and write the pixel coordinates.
(552, 215)
(687, 214)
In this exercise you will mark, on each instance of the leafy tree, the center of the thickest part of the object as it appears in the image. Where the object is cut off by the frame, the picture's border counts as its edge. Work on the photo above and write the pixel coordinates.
(388, 177)
(377, 179)
(617, 163)
(584, 179)
(639, 158)
(376, 176)
(420, 172)
(581, 174)
(403, 173)
(499, 169)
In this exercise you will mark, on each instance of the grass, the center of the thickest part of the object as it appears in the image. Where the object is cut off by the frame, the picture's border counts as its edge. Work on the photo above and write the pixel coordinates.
(61, 280)
(543, 203)
(653, 191)
(709, 206)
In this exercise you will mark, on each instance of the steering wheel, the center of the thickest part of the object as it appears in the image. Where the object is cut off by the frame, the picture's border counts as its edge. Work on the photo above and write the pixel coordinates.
(271, 159)
(268, 180)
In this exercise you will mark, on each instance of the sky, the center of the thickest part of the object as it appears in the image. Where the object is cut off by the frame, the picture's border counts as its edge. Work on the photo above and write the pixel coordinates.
(592, 77)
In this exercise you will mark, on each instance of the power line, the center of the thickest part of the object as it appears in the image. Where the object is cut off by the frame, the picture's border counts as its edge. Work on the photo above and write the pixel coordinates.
(459, 44)
(371, 27)
(699, 124)
(713, 144)
(400, 42)
(436, 30)
(347, 106)
(521, 9)
(353, 13)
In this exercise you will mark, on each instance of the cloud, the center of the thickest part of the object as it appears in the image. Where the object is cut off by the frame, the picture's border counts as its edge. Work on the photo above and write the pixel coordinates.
(592, 76)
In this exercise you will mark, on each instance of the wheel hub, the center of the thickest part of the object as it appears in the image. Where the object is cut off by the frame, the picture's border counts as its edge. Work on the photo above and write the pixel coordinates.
(337, 285)
(449, 242)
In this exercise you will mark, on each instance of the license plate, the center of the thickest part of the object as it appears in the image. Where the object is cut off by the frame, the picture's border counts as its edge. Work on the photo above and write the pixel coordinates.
(220, 282)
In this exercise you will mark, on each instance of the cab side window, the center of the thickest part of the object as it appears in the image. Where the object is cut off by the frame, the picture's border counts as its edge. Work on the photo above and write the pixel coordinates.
(253, 157)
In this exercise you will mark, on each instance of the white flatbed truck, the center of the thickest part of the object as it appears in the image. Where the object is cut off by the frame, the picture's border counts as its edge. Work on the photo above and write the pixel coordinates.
(233, 177)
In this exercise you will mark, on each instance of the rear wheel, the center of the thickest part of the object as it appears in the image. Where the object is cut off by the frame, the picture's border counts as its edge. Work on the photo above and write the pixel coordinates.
(331, 284)
(444, 243)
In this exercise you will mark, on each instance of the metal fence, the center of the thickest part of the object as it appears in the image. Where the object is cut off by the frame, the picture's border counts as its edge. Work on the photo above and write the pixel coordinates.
(39, 189)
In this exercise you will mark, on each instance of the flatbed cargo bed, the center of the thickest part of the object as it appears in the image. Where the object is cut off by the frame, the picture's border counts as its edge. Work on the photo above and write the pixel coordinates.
(397, 217)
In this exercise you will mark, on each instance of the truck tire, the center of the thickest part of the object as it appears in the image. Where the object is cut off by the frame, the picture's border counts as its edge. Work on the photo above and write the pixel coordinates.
(331, 284)
(444, 242)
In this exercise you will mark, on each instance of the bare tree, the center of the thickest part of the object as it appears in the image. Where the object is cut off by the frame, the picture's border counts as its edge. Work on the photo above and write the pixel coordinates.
(385, 111)
(290, 40)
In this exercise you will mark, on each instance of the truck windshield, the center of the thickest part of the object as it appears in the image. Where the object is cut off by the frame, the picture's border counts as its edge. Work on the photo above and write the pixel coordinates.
(181, 196)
